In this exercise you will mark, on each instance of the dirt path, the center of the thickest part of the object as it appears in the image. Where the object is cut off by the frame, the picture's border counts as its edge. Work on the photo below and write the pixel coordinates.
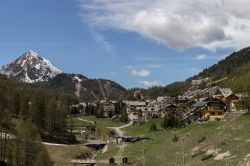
(121, 150)
(105, 149)
(118, 129)
(85, 120)
(123, 146)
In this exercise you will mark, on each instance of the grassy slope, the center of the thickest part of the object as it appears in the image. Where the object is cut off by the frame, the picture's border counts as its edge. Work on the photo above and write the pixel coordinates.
(161, 150)
(104, 122)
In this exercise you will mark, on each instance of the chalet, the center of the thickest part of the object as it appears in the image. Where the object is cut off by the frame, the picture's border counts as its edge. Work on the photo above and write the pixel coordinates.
(210, 109)
(233, 102)
(133, 106)
(225, 91)
(172, 110)
(181, 100)
(109, 107)
(151, 112)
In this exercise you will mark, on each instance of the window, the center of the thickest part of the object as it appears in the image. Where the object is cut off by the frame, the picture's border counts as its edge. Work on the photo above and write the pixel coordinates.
(219, 113)
(212, 113)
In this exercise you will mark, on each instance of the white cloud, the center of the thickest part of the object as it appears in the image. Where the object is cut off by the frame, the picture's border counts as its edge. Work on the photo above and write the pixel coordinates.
(200, 57)
(150, 83)
(177, 24)
(99, 38)
(141, 73)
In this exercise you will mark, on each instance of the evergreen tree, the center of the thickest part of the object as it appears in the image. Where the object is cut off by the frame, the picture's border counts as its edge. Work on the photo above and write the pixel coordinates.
(153, 127)
(100, 111)
(43, 158)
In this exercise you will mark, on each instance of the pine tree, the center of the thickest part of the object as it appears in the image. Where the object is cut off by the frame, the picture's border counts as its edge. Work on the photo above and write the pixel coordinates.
(43, 159)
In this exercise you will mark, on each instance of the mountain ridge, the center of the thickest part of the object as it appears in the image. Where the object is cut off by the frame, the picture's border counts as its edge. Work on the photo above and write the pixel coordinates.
(89, 90)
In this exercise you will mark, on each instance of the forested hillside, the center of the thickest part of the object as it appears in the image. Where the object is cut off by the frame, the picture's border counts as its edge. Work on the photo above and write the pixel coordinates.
(236, 63)
(27, 116)
(89, 89)
(173, 89)
(236, 67)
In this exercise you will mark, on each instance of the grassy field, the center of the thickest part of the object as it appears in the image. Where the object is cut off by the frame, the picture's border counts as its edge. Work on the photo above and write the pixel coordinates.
(230, 138)
(103, 122)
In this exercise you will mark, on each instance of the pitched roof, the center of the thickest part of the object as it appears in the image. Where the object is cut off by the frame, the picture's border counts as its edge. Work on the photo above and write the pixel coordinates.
(200, 104)
(226, 91)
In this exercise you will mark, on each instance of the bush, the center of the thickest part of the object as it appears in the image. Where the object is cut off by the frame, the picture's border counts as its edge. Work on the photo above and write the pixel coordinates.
(153, 127)
(175, 138)
(171, 121)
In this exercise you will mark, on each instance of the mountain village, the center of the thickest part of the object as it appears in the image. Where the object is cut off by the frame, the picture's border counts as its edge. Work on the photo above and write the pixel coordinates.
(195, 105)
(101, 131)
(210, 104)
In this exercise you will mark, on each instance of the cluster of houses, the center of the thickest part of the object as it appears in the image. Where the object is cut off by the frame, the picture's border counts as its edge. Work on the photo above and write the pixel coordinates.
(199, 104)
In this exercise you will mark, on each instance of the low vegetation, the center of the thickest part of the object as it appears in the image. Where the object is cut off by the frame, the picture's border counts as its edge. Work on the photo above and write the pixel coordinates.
(62, 155)
(210, 143)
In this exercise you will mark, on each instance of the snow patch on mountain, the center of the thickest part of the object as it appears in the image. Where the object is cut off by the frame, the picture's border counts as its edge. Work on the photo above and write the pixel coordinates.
(30, 68)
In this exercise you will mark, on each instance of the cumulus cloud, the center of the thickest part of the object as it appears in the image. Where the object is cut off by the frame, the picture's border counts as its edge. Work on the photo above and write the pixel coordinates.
(141, 73)
(146, 83)
(177, 24)
(200, 57)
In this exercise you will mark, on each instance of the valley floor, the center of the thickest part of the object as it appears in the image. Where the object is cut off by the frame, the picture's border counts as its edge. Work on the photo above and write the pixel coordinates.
(209, 143)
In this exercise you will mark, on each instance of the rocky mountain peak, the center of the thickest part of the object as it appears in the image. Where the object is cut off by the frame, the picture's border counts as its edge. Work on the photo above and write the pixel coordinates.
(30, 67)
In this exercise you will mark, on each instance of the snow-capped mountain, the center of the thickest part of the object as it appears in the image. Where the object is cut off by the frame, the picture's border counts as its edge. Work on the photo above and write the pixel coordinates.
(30, 68)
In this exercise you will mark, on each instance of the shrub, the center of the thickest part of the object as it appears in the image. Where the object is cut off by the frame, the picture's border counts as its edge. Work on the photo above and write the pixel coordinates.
(175, 138)
(153, 127)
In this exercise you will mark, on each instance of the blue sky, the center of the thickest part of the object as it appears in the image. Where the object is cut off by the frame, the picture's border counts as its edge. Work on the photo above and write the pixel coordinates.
(137, 43)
